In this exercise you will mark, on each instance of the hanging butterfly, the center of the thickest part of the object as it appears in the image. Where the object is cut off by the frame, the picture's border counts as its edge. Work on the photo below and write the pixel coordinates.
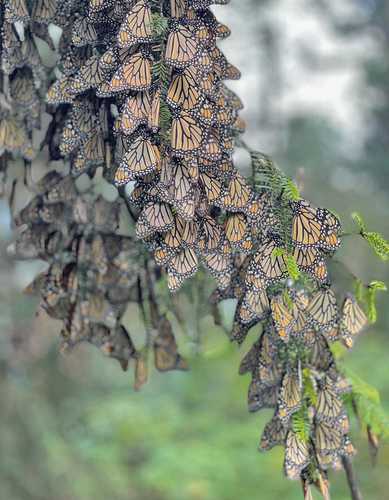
(329, 406)
(135, 112)
(260, 396)
(141, 158)
(283, 319)
(183, 91)
(181, 47)
(83, 32)
(353, 320)
(166, 356)
(135, 74)
(186, 135)
(322, 310)
(297, 456)
(155, 217)
(183, 265)
(273, 434)
(290, 397)
(312, 227)
(137, 26)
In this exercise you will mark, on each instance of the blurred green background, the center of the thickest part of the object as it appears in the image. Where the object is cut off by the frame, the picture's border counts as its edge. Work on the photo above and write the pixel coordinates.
(316, 91)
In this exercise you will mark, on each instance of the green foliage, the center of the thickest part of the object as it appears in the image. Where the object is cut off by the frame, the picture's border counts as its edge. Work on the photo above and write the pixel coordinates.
(165, 118)
(159, 25)
(161, 72)
(367, 400)
(301, 425)
(375, 240)
(292, 267)
(309, 391)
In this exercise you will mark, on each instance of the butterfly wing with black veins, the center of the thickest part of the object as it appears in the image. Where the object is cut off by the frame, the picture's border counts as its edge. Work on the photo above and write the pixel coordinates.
(353, 320)
(297, 455)
(273, 434)
(322, 310)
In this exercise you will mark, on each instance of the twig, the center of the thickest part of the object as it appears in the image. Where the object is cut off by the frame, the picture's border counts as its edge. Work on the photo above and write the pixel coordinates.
(351, 479)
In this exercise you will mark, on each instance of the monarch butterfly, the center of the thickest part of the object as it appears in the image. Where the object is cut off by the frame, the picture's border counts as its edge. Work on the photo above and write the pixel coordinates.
(237, 195)
(260, 396)
(177, 184)
(16, 10)
(58, 92)
(44, 10)
(212, 149)
(329, 405)
(184, 265)
(166, 356)
(181, 47)
(323, 310)
(135, 112)
(267, 266)
(257, 302)
(328, 437)
(183, 233)
(235, 228)
(217, 263)
(320, 356)
(353, 320)
(186, 135)
(135, 74)
(211, 186)
(93, 147)
(155, 217)
(290, 395)
(183, 91)
(137, 26)
(273, 434)
(282, 317)
(240, 330)
(210, 235)
(297, 455)
(313, 227)
(83, 32)
(90, 75)
(141, 158)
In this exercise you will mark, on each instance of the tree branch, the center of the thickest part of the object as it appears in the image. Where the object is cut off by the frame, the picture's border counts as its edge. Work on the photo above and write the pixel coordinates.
(351, 479)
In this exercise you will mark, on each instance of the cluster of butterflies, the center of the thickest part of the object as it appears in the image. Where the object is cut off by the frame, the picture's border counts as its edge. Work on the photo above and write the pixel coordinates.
(92, 271)
(22, 74)
(148, 78)
(294, 372)
(139, 90)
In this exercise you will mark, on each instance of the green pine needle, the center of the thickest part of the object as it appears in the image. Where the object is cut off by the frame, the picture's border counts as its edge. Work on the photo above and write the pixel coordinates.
(292, 267)
(301, 425)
